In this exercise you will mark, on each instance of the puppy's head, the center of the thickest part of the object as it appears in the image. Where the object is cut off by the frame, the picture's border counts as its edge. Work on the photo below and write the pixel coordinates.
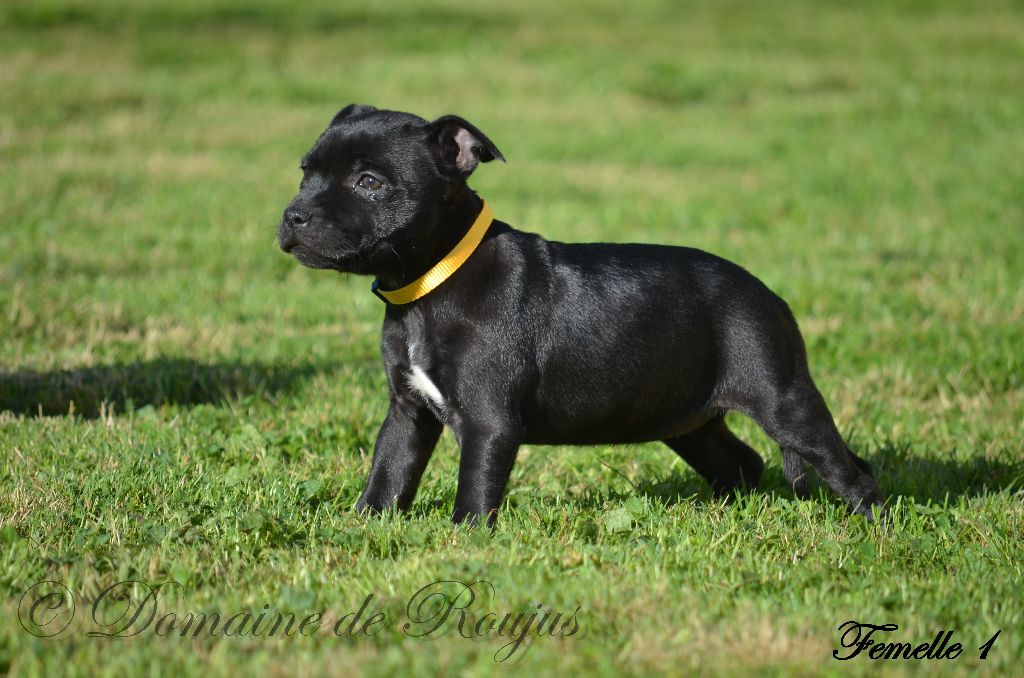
(374, 188)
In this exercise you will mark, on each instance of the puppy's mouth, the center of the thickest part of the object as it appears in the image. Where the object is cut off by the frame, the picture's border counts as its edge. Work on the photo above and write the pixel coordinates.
(313, 259)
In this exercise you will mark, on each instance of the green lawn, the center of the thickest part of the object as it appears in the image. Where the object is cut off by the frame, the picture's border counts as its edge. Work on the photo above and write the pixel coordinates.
(181, 401)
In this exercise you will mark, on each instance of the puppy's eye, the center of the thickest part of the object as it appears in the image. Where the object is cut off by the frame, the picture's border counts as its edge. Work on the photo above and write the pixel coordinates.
(370, 182)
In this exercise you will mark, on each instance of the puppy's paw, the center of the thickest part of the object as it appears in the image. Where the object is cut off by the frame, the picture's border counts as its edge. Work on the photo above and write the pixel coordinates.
(471, 518)
(874, 511)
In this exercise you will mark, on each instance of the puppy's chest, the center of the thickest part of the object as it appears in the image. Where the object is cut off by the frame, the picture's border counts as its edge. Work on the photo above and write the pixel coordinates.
(421, 378)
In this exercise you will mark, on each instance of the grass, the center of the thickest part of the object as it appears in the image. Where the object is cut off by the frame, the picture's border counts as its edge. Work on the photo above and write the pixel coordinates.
(180, 401)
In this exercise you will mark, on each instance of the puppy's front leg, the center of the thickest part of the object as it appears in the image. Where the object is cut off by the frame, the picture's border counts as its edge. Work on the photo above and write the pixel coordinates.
(488, 454)
(404, 445)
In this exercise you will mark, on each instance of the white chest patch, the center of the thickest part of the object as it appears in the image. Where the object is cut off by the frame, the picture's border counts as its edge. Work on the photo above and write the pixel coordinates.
(420, 382)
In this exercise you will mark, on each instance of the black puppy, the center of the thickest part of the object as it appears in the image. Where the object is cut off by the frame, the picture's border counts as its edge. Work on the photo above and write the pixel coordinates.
(509, 338)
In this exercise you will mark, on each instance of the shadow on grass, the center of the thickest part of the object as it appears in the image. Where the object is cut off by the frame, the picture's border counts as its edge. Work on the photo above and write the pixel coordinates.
(900, 472)
(163, 381)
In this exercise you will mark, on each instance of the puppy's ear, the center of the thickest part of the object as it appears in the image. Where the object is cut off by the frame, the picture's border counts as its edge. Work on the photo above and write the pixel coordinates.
(461, 146)
(350, 110)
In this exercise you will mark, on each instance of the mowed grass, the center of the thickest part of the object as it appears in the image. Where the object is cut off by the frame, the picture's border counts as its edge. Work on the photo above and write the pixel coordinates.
(181, 401)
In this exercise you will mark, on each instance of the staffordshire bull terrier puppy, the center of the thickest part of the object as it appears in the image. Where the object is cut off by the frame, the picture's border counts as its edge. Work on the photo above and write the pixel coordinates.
(508, 338)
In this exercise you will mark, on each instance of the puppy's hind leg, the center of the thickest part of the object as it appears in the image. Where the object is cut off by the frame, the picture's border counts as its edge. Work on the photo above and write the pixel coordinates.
(797, 418)
(722, 459)
(861, 464)
(795, 471)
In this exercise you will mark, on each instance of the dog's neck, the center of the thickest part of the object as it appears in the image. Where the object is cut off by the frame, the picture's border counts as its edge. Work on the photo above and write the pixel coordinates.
(456, 217)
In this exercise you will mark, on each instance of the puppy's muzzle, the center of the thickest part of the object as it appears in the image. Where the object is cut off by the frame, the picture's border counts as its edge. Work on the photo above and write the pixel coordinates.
(293, 221)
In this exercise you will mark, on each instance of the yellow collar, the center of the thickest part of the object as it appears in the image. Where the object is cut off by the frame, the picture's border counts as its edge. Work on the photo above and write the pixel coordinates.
(443, 269)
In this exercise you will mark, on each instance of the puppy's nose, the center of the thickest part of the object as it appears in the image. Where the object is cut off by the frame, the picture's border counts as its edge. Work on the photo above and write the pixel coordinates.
(296, 217)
